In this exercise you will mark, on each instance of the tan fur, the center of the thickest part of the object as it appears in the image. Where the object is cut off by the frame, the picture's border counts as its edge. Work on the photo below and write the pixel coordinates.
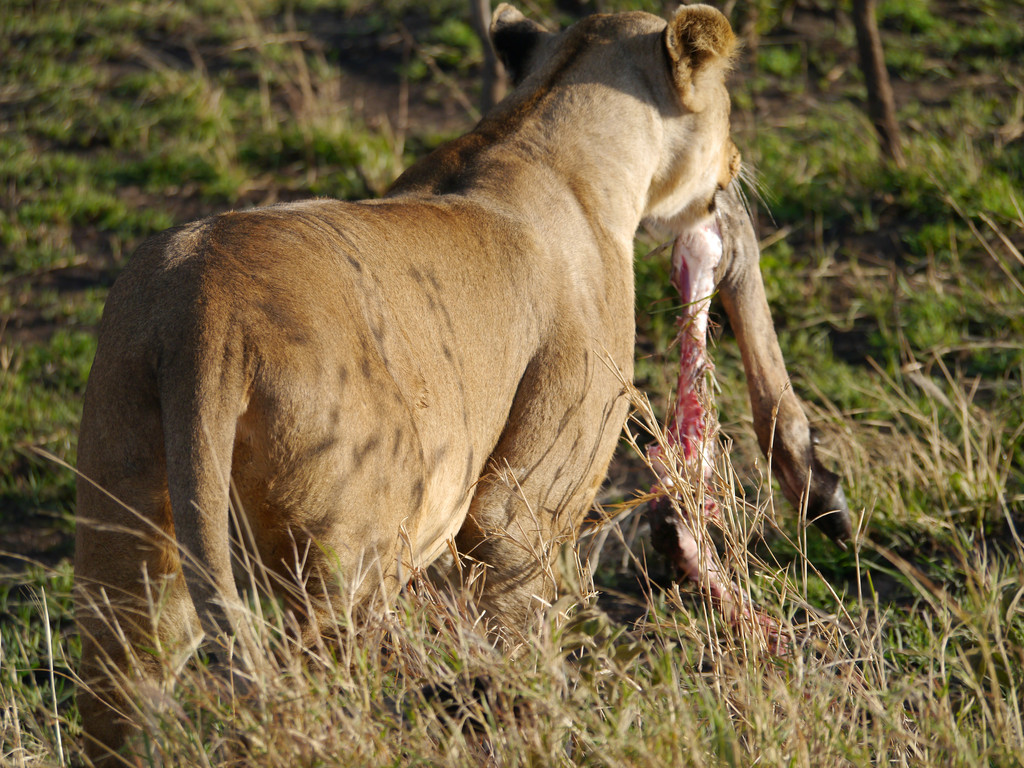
(375, 379)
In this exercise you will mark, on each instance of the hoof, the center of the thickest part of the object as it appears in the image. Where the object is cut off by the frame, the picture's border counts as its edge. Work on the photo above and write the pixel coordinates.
(827, 507)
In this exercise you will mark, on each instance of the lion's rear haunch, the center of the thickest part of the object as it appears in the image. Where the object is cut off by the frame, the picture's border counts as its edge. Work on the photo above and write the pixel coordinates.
(366, 383)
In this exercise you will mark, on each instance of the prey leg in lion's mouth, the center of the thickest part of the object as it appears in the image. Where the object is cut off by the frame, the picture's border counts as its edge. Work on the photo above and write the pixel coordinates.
(688, 452)
(723, 253)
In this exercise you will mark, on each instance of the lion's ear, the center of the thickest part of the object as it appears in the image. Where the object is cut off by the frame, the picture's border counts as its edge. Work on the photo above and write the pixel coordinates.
(515, 39)
(699, 42)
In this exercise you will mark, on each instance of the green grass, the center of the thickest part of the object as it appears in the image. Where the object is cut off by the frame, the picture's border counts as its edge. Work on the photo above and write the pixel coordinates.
(897, 295)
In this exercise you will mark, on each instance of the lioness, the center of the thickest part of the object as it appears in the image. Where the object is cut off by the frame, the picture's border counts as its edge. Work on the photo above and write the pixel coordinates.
(373, 381)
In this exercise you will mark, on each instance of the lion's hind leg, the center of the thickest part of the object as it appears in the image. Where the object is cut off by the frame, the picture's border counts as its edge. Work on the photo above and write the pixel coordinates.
(135, 619)
(132, 608)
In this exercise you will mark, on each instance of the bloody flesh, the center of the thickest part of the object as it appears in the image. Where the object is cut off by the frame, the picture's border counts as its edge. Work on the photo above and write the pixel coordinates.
(695, 256)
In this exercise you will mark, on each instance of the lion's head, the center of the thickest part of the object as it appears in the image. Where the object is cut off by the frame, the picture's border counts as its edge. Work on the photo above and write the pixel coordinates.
(682, 66)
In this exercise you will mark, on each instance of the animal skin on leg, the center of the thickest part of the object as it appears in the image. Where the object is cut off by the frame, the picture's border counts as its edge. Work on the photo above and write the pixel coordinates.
(783, 431)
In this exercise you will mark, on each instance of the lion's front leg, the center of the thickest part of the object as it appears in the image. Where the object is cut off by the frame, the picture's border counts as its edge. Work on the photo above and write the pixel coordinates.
(541, 480)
